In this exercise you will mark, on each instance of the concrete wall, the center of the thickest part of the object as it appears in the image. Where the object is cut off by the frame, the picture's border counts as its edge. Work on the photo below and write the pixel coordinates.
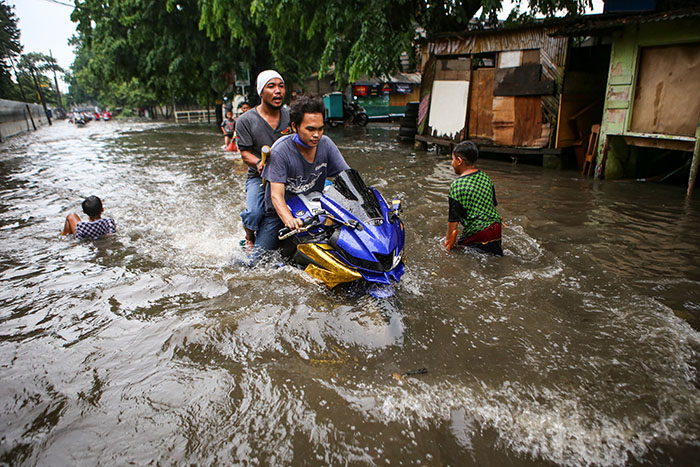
(15, 118)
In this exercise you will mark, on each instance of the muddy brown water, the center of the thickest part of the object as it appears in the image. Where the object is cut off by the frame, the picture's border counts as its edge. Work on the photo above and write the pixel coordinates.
(578, 347)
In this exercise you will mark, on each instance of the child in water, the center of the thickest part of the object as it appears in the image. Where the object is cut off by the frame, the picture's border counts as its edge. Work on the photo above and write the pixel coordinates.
(228, 126)
(472, 203)
(93, 229)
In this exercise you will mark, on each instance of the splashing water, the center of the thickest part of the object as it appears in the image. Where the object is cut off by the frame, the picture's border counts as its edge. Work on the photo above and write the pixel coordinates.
(578, 347)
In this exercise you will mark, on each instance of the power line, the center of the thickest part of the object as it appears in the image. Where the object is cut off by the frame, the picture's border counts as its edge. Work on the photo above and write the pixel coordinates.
(60, 3)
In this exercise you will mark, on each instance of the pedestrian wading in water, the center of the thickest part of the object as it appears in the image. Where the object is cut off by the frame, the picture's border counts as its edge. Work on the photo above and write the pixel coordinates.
(472, 203)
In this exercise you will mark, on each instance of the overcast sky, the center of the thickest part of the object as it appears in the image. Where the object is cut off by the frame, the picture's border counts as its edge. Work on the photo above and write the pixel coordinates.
(46, 26)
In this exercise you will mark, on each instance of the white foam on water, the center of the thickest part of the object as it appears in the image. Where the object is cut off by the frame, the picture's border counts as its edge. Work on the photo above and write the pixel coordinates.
(545, 424)
(518, 243)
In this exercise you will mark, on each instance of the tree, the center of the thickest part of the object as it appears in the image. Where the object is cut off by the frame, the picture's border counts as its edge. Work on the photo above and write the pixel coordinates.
(82, 88)
(32, 66)
(10, 48)
(157, 47)
(358, 37)
(173, 50)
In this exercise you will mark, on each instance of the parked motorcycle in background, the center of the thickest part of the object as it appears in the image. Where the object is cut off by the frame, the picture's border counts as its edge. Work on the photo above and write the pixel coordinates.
(340, 112)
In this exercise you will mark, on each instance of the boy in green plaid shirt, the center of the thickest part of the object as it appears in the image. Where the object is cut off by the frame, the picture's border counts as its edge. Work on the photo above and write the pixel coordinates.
(472, 202)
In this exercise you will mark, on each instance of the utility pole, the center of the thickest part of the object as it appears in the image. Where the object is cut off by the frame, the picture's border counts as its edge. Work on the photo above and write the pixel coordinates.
(58, 93)
(41, 95)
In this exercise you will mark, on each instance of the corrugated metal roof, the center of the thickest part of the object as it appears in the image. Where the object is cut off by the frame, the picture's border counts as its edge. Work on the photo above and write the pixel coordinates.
(520, 39)
(500, 29)
(592, 25)
(574, 25)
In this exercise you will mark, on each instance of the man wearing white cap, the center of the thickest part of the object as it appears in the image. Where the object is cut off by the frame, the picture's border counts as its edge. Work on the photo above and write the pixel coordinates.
(261, 126)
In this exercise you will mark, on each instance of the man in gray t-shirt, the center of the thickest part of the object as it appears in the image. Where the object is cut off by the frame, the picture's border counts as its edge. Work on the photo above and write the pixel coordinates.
(299, 164)
(259, 127)
(253, 132)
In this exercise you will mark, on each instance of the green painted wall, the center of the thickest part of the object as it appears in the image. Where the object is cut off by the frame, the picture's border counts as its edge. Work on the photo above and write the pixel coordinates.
(621, 81)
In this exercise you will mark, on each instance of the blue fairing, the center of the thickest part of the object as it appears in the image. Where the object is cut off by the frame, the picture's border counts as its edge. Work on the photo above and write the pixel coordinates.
(298, 208)
(387, 238)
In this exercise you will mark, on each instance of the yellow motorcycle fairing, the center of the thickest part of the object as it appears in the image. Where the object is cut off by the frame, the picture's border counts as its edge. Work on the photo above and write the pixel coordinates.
(329, 270)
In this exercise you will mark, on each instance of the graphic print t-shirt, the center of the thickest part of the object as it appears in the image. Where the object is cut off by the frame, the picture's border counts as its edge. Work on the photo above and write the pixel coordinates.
(229, 126)
(288, 166)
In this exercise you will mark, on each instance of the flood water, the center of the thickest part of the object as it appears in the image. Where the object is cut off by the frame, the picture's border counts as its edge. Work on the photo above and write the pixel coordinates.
(578, 347)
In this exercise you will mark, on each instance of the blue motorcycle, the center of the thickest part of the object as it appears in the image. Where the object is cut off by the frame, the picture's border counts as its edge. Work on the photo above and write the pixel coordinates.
(349, 234)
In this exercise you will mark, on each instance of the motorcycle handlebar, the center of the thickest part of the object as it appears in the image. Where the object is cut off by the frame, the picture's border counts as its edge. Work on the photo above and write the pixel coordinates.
(313, 221)
(285, 232)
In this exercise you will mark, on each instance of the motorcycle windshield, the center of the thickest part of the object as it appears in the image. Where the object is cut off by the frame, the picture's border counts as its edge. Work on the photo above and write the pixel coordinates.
(350, 191)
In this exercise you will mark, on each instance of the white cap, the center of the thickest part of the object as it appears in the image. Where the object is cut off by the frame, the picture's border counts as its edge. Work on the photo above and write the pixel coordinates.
(264, 77)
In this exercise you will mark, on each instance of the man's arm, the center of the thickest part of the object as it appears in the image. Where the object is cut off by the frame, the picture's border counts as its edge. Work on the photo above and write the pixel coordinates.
(277, 196)
(245, 143)
(336, 161)
(252, 160)
(453, 217)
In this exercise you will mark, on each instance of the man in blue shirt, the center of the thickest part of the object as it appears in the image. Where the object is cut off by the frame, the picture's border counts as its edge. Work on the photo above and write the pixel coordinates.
(299, 164)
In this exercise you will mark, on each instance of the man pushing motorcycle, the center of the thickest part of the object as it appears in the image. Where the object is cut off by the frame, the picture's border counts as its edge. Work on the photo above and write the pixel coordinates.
(299, 164)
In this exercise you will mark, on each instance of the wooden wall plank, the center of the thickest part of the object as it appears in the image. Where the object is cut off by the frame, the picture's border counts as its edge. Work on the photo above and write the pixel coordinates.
(426, 85)
(666, 99)
(452, 69)
(503, 120)
(481, 104)
(527, 127)
(531, 56)
(452, 75)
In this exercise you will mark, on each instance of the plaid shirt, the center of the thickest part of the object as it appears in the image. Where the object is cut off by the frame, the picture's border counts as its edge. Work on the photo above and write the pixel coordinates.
(96, 229)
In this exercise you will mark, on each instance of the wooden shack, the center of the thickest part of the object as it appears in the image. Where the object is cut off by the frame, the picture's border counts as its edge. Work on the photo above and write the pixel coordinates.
(499, 87)
(651, 117)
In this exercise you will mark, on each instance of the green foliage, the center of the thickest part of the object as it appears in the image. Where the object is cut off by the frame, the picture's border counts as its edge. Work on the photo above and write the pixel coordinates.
(40, 63)
(10, 48)
(40, 67)
(154, 48)
(175, 50)
(357, 37)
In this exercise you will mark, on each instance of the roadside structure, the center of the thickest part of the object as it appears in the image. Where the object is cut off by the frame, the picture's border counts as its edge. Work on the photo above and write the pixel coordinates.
(500, 87)
(387, 95)
(618, 91)
(652, 109)
(380, 96)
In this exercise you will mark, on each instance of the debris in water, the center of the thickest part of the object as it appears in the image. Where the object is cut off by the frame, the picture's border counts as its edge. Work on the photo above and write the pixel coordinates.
(400, 377)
